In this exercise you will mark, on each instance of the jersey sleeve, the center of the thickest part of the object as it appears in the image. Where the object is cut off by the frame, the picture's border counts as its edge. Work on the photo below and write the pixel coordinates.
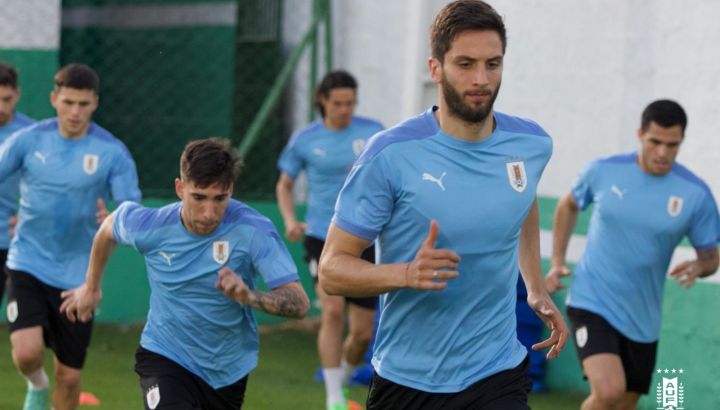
(271, 258)
(124, 178)
(126, 215)
(366, 202)
(12, 152)
(705, 230)
(582, 188)
(291, 160)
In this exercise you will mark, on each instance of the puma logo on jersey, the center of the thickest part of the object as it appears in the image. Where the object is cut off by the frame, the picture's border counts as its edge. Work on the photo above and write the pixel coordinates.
(617, 191)
(319, 152)
(39, 155)
(168, 257)
(438, 181)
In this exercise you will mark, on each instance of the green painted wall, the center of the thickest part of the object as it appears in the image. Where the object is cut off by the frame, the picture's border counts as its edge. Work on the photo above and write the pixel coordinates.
(159, 89)
(36, 69)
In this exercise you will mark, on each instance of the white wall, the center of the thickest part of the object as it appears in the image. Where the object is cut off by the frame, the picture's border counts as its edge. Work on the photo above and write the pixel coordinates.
(583, 69)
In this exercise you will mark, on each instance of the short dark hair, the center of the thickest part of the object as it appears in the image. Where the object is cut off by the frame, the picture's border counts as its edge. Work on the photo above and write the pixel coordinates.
(459, 16)
(665, 113)
(78, 76)
(331, 81)
(210, 161)
(8, 76)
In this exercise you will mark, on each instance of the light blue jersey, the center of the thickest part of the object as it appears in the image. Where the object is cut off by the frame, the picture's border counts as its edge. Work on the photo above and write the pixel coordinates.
(637, 221)
(326, 156)
(190, 321)
(480, 193)
(61, 180)
(9, 189)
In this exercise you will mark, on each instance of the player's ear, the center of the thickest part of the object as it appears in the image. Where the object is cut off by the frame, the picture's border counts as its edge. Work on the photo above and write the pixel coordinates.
(179, 188)
(435, 69)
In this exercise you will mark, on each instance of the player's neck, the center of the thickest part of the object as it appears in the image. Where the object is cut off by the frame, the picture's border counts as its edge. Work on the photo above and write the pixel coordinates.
(74, 135)
(334, 126)
(463, 130)
(10, 119)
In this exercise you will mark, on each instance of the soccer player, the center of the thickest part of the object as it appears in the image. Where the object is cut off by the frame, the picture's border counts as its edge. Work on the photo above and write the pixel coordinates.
(204, 256)
(326, 150)
(446, 337)
(69, 167)
(10, 121)
(645, 203)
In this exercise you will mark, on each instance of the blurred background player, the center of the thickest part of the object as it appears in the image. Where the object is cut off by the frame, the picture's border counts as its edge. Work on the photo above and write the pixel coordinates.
(326, 149)
(10, 121)
(69, 166)
(447, 331)
(204, 256)
(645, 203)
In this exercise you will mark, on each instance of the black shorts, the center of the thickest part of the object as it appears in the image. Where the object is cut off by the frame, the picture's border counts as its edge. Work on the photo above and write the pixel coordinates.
(594, 335)
(33, 303)
(167, 385)
(313, 249)
(506, 390)
(3, 275)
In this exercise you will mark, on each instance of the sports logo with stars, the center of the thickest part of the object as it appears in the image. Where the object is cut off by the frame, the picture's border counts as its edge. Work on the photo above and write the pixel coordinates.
(670, 390)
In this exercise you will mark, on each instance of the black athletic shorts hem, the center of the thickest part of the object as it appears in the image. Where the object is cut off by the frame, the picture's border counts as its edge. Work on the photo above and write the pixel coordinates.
(594, 335)
(313, 250)
(166, 385)
(33, 303)
(505, 390)
(3, 275)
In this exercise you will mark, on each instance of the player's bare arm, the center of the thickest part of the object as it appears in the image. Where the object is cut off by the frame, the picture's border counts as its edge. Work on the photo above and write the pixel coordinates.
(80, 303)
(538, 298)
(686, 273)
(289, 300)
(566, 215)
(343, 272)
(294, 229)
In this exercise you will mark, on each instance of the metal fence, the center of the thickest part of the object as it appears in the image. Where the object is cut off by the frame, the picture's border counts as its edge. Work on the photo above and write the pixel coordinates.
(176, 70)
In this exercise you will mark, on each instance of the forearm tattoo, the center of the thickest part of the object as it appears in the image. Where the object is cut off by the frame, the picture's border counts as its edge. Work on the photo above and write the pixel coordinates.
(286, 302)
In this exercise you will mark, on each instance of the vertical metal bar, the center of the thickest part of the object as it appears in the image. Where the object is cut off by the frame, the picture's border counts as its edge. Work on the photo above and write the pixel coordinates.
(313, 59)
(328, 36)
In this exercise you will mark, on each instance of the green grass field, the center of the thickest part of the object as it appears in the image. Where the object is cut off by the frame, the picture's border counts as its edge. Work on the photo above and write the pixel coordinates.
(283, 379)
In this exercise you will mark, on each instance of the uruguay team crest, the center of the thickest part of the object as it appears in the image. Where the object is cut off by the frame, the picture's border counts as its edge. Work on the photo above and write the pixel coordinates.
(581, 336)
(516, 175)
(221, 251)
(90, 163)
(674, 206)
(12, 311)
(358, 146)
(153, 396)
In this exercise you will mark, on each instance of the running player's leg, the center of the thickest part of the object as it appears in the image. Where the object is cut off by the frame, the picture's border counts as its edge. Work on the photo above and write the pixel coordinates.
(598, 348)
(360, 333)
(332, 320)
(607, 381)
(639, 364)
(361, 315)
(26, 313)
(69, 341)
(164, 383)
(66, 395)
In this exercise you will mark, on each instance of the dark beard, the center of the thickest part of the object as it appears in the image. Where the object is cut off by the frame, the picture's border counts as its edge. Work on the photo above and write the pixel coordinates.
(459, 109)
